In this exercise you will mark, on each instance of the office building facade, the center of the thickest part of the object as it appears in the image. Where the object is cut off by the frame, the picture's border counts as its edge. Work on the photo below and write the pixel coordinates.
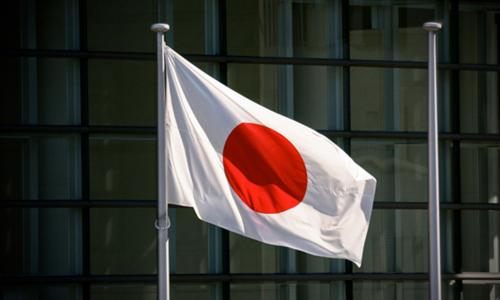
(78, 143)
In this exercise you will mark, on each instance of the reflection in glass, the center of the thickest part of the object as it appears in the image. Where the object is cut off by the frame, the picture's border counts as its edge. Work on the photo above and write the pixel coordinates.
(480, 290)
(123, 292)
(187, 231)
(122, 167)
(284, 28)
(195, 26)
(392, 30)
(388, 99)
(393, 237)
(196, 291)
(250, 256)
(41, 292)
(390, 290)
(311, 95)
(400, 168)
(478, 32)
(121, 25)
(48, 24)
(480, 172)
(40, 91)
(40, 167)
(288, 290)
(479, 102)
(306, 263)
(480, 241)
(122, 241)
(41, 241)
(122, 92)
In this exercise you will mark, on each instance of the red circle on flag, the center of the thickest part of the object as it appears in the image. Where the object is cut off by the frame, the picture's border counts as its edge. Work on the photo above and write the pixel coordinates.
(264, 169)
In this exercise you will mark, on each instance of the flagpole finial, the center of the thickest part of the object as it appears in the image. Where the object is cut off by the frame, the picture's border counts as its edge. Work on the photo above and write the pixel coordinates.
(160, 27)
(432, 26)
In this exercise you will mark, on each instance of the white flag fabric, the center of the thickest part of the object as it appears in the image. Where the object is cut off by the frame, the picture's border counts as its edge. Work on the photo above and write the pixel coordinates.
(257, 173)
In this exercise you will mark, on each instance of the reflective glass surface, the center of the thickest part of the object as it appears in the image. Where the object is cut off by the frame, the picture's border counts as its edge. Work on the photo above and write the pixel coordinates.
(122, 92)
(40, 241)
(478, 31)
(480, 172)
(48, 24)
(40, 91)
(120, 25)
(272, 28)
(41, 292)
(479, 105)
(112, 231)
(311, 95)
(288, 290)
(40, 167)
(122, 167)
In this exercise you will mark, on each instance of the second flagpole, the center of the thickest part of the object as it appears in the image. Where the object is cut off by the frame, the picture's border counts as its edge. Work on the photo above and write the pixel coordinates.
(434, 240)
(162, 223)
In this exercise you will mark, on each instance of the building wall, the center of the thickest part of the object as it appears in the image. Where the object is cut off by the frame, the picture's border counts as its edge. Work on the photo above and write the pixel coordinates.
(78, 145)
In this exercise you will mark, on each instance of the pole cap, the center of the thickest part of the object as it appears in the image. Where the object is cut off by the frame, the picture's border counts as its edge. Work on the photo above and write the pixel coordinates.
(432, 26)
(160, 27)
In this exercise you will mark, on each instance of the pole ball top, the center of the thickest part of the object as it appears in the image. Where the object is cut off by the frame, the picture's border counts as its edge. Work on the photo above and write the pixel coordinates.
(160, 27)
(432, 26)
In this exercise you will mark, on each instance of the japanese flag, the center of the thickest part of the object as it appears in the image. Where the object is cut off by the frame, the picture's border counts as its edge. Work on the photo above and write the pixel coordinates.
(254, 172)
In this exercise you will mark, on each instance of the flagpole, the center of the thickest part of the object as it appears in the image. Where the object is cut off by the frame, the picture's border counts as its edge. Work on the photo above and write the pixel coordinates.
(162, 223)
(434, 239)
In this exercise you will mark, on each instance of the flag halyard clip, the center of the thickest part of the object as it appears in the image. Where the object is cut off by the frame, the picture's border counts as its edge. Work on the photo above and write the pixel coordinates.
(166, 227)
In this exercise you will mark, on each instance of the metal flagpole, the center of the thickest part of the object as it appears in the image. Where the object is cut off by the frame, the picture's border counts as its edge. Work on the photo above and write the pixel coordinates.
(162, 223)
(434, 239)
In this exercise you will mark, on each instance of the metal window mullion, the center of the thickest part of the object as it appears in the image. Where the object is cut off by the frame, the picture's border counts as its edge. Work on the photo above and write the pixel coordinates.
(346, 109)
(456, 246)
(84, 150)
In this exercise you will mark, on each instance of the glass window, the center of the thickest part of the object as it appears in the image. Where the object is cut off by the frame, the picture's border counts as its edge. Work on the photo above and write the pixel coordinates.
(40, 167)
(196, 291)
(399, 166)
(480, 290)
(40, 91)
(40, 241)
(478, 32)
(480, 241)
(250, 256)
(194, 244)
(392, 30)
(121, 25)
(48, 24)
(480, 172)
(305, 263)
(123, 292)
(122, 92)
(393, 237)
(284, 28)
(41, 292)
(195, 26)
(123, 241)
(388, 290)
(311, 95)
(479, 105)
(123, 167)
(388, 99)
(288, 290)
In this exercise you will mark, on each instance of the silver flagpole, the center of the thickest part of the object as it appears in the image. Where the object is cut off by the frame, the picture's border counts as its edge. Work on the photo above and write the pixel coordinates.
(162, 223)
(434, 247)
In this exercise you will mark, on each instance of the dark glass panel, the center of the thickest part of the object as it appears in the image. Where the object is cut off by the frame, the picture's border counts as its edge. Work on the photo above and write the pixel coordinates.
(40, 241)
(123, 167)
(123, 241)
(121, 25)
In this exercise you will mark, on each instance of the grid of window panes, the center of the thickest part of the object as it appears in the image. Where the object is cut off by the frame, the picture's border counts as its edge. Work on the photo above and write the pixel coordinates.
(78, 144)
